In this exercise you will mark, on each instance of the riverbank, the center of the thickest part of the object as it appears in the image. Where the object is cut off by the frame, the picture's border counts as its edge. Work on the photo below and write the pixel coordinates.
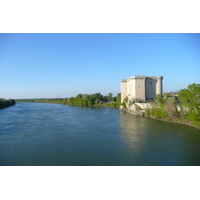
(142, 113)
(66, 102)
(6, 103)
(110, 105)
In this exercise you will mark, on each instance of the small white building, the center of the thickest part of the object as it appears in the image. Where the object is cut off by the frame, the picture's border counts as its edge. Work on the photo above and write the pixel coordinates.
(141, 88)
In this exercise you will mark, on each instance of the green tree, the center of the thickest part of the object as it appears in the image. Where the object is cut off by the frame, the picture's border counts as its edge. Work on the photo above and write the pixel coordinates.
(158, 112)
(171, 108)
(79, 96)
(159, 99)
(190, 103)
(118, 101)
(190, 98)
(125, 101)
(72, 100)
(96, 102)
(110, 96)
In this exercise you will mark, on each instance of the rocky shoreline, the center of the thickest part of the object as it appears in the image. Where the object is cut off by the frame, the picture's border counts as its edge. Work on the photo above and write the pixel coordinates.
(142, 113)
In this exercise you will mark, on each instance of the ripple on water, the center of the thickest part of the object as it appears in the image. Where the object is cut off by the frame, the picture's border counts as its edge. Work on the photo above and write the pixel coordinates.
(51, 134)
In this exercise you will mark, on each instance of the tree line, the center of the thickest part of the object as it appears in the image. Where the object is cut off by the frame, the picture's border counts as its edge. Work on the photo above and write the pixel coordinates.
(96, 99)
(6, 103)
(182, 106)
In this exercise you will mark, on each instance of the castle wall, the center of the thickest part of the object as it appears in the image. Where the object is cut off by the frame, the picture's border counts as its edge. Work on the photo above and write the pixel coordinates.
(159, 86)
(150, 88)
(140, 88)
(123, 89)
(131, 88)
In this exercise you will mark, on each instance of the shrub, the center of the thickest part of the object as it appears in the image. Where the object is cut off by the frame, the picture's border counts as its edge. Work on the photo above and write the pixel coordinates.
(159, 113)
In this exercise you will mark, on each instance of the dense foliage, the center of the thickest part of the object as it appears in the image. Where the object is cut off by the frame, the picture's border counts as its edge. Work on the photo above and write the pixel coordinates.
(185, 107)
(6, 103)
(96, 99)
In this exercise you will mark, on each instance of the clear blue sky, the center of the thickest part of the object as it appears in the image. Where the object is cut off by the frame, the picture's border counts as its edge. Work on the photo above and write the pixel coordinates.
(64, 65)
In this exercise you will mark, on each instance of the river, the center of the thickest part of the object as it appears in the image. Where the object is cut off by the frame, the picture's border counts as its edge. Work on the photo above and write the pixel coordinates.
(42, 134)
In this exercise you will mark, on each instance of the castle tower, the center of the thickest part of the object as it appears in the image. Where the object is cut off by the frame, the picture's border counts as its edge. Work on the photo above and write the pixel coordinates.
(159, 88)
(141, 88)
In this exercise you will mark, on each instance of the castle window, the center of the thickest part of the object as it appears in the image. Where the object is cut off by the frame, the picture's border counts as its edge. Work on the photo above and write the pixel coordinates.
(138, 85)
(151, 83)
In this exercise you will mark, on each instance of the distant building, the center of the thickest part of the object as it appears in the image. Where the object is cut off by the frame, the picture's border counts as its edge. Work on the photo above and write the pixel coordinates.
(141, 88)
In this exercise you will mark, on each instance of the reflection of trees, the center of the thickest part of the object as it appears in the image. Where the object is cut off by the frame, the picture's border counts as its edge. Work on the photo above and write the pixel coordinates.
(151, 142)
(190, 146)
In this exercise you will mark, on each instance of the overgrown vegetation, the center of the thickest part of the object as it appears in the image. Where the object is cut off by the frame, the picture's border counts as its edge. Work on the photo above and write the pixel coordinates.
(96, 99)
(184, 108)
(6, 103)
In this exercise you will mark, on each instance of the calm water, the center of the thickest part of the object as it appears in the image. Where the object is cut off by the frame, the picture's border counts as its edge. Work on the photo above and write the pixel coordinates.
(51, 134)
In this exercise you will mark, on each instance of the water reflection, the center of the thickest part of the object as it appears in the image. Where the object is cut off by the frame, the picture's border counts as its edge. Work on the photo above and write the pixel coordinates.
(135, 142)
(50, 134)
(151, 142)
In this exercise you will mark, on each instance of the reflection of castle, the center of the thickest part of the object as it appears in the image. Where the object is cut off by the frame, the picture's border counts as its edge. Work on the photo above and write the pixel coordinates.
(141, 87)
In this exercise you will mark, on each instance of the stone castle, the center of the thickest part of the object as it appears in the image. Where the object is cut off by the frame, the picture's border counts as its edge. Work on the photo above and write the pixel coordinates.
(141, 88)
